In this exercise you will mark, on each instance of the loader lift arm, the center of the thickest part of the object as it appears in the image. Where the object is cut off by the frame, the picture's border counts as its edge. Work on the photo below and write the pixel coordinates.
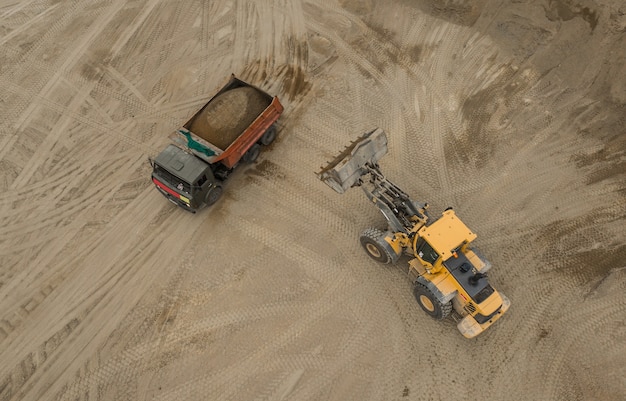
(399, 210)
(359, 160)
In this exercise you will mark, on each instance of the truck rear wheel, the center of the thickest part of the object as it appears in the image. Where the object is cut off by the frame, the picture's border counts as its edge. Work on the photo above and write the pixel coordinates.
(213, 195)
(252, 154)
(373, 241)
(269, 135)
(429, 302)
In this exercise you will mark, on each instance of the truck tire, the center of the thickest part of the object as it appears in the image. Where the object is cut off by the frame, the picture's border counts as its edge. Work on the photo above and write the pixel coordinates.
(269, 136)
(213, 195)
(373, 241)
(429, 302)
(252, 154)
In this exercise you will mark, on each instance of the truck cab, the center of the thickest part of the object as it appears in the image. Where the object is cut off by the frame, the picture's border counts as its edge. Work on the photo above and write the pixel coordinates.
(184, 179)
(231, 127)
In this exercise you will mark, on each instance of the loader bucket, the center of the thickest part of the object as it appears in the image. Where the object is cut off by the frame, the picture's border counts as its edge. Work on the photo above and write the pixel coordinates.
(346, 170)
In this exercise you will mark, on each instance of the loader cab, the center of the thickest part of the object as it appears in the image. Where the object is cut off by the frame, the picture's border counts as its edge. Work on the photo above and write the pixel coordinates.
(443, 239)
(427, 255)
(443, 244)
(444, 236)
(182, 178)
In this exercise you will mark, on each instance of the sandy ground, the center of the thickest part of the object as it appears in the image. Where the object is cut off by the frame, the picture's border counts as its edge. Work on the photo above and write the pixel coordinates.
(512, 112)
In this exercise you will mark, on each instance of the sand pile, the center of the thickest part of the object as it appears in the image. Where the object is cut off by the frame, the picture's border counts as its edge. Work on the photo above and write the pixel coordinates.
(229, 114)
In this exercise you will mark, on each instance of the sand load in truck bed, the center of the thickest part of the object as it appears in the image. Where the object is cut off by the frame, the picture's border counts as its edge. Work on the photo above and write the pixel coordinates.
(225, 117)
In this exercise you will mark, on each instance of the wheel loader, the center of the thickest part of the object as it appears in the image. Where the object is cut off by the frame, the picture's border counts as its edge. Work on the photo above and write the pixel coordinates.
(447, 272)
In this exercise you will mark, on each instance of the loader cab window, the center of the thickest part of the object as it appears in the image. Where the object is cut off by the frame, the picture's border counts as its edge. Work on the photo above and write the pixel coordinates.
(425, 251)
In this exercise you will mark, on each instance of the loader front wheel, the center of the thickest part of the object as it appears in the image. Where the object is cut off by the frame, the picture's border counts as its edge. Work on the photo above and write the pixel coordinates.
(373, 241)
(429, 302)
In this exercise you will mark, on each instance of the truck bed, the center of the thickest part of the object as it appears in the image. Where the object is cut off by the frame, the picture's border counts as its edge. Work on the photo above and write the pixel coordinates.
(228, 114)
(230, 123)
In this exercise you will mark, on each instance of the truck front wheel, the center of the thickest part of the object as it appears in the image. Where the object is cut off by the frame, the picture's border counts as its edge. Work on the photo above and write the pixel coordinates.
(252, 154)
(213, 195)
(429, 302)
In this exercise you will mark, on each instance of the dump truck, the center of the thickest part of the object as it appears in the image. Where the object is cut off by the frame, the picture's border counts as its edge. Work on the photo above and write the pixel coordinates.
(230, 128)
(447, 272)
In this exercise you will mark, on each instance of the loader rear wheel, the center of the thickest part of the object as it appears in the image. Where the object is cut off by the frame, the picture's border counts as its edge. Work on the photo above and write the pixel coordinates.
(269, 136)
(213, 195)
(252, 154)
(373, 241)
(429, 302)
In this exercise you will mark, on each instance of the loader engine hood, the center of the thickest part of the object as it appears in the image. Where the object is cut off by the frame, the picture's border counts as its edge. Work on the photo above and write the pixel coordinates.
(475, 285)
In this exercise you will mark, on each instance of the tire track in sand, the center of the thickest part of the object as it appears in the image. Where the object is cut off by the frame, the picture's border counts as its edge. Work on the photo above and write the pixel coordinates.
(70, 60)
(104, 286)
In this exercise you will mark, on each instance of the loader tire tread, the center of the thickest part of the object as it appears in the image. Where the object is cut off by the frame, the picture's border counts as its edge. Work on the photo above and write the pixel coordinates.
(430, 303)
(371, 240)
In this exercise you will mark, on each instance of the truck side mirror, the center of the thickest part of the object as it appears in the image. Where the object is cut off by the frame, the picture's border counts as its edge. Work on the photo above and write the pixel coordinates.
(151, 162)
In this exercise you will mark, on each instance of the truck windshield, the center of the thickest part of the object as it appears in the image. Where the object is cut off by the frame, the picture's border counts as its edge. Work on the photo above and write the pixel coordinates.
(172, 180)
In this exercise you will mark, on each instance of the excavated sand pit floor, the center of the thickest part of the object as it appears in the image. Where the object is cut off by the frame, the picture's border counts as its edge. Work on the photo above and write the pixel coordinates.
(511, 112)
